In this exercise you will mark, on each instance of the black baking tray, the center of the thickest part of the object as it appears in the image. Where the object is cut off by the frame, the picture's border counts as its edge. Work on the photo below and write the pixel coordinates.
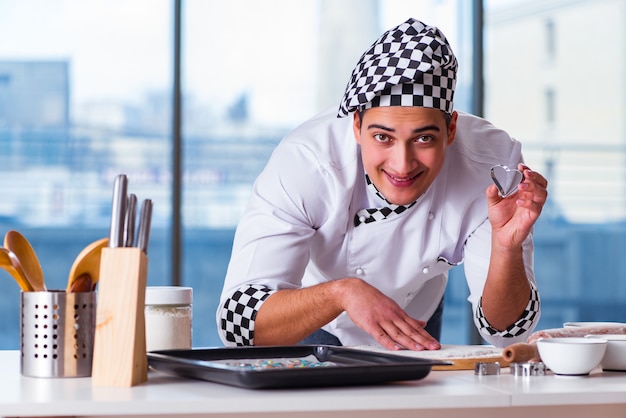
(346, 366)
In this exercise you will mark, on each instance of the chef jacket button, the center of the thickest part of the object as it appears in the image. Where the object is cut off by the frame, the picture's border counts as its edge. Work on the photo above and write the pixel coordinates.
(431, 216)
(359, 271)
(362, 219)
(425, 270)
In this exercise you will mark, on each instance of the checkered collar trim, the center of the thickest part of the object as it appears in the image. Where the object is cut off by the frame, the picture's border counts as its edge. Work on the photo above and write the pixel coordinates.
(409, 65)
(366, 216)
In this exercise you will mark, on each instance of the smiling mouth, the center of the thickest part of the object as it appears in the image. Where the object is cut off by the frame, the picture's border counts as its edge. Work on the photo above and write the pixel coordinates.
(402, 181)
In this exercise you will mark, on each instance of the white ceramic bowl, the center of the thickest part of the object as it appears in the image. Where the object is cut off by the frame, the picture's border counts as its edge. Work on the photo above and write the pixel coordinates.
(571, 356)
(615, 355)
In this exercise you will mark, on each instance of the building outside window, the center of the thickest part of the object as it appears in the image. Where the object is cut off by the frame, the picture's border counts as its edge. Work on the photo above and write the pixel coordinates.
(550, 39)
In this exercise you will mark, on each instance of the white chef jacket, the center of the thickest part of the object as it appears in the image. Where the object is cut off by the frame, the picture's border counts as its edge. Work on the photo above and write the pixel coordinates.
(298, 228)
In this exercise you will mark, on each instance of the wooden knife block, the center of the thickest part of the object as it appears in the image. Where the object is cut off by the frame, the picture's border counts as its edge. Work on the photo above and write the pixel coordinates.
(119, 357)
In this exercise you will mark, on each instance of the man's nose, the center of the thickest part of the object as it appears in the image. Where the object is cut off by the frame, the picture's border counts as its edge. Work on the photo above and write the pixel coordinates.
(403, 159)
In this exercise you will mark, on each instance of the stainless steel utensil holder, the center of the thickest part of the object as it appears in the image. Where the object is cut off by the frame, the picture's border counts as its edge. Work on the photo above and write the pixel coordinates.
(57, 333)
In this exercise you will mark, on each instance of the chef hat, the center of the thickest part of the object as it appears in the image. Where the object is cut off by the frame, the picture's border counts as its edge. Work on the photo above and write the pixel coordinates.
(409, 65)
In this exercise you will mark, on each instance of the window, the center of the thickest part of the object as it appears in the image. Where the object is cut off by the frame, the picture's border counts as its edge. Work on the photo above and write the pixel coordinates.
(575, 143)
(247, 84)
(86, 93)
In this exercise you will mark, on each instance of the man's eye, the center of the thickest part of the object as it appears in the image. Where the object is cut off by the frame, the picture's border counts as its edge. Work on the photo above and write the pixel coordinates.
(381, 138)
(425, 139)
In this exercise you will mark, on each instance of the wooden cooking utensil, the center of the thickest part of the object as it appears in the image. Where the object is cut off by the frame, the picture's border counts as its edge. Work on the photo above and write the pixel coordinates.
(81, 284)
(19, 245)
(87, 263)
(11, 265)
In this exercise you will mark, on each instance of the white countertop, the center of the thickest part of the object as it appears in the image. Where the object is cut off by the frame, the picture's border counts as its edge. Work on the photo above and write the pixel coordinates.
(441, 393)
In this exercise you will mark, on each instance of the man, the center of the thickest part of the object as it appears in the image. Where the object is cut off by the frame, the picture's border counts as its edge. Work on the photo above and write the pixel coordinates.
(357, 217)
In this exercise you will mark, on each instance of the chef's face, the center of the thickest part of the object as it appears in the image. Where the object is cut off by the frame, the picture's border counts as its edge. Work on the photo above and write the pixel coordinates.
(403, 148)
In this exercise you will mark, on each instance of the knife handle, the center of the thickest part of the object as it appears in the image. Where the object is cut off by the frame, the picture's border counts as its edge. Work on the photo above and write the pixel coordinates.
(118, 211)
(129, 227)
(145, 217)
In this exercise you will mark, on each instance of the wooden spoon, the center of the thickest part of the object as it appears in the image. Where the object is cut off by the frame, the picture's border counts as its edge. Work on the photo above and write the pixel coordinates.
(86, 266)
(16, 243)
(81, 284)
(11, 265)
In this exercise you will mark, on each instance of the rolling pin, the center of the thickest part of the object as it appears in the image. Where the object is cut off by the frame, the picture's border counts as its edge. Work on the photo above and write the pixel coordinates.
(521, 353)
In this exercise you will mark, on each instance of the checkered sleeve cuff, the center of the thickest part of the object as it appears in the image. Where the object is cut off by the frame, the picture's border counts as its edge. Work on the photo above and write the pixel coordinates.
(522, 325)
(239, 312)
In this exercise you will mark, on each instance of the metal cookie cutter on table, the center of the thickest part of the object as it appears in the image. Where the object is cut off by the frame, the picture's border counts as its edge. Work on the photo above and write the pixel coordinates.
(483, 369)
(533, 368)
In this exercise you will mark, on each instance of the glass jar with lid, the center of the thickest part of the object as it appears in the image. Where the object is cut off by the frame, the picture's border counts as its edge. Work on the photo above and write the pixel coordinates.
(168, 314)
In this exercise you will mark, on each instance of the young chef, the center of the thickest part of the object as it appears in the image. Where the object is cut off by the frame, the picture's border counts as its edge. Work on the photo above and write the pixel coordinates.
(358, 216)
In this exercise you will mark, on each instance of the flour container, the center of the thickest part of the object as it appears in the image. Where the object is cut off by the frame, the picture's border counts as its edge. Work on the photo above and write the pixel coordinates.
(168, 314)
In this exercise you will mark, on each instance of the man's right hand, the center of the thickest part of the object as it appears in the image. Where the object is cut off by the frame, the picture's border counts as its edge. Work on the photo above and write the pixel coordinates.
(382, 318)
(290, 315)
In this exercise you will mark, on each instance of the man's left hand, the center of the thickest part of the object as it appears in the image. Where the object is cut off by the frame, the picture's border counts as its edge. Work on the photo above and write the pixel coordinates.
(513, 217)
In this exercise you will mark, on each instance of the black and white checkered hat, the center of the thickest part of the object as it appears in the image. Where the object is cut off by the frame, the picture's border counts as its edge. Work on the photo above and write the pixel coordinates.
(409, 65)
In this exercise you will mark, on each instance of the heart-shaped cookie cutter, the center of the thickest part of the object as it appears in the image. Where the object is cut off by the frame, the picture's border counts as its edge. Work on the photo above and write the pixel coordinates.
(507, 180)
